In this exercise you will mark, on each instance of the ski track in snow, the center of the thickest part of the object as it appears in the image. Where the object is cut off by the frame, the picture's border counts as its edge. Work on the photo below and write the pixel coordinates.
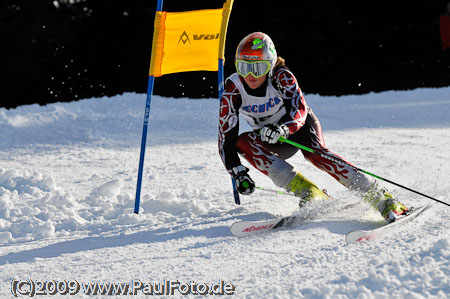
(68, 175)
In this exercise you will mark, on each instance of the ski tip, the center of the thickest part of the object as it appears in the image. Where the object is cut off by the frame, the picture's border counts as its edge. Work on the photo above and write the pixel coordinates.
(359, 236)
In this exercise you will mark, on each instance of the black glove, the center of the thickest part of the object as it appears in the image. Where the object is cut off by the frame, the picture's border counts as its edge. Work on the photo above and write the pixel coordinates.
(271, 133)
(245, 185)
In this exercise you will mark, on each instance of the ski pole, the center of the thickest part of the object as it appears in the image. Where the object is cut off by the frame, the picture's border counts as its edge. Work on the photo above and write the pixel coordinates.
(343, 163)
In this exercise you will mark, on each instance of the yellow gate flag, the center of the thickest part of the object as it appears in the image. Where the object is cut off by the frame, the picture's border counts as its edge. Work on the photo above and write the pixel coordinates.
(186, 41)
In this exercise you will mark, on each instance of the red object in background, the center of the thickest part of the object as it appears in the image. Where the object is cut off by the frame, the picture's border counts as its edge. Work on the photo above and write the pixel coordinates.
(444, 22)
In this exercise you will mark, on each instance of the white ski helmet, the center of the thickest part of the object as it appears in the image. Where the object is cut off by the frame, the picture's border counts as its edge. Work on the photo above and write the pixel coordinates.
(257, 46)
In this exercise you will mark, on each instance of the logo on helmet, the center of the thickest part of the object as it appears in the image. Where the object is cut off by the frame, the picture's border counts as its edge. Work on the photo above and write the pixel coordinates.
(250, 57)
(258, 44)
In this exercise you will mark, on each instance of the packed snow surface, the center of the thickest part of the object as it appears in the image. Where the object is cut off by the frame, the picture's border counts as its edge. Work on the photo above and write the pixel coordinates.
(68, 175)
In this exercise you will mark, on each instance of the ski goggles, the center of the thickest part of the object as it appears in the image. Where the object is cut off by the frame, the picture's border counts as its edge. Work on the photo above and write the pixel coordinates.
(256, 68)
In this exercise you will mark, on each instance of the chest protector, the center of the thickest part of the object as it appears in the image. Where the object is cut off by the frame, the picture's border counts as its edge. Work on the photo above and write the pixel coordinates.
(260, 111)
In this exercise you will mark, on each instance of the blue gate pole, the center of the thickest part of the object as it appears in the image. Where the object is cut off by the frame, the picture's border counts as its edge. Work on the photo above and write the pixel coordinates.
(221, 89)
(151, 80)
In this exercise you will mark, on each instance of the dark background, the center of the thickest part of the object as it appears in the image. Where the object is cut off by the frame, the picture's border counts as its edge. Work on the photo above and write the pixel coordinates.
(54, 51)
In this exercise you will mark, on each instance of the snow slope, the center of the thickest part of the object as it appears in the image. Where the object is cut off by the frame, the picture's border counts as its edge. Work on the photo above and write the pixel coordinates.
(68, 177)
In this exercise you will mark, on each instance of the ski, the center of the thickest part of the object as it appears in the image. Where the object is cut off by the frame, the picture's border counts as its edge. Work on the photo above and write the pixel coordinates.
(377, 233)
(250, 228)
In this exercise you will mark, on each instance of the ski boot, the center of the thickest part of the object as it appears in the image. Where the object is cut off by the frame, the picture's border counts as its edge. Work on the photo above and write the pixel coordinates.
(305, 189)
(389, 207)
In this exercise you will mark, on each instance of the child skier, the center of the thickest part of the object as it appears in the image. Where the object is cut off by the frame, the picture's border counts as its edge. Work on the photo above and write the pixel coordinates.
(266, 93)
